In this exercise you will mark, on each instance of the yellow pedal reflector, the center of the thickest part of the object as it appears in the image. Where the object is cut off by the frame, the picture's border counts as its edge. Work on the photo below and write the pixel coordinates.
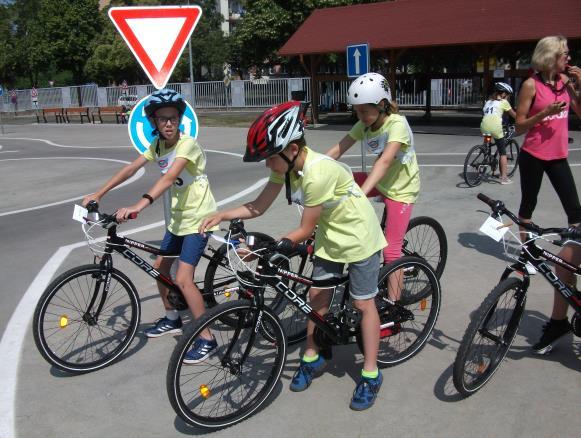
(481, 368)
(205, 391)
(63, 321)
(423, 304)
(227, 294)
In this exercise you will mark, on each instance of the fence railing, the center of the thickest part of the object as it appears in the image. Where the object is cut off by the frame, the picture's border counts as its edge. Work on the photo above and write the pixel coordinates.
(259, 93)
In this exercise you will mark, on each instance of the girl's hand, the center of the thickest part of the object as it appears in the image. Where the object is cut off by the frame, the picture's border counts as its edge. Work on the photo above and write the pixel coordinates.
(554, 108)
(574, 73)
(89, 198)
(124, 214)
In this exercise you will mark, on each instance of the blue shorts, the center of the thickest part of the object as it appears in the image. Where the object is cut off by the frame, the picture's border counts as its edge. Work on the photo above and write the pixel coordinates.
(363, 275)
(190, 247)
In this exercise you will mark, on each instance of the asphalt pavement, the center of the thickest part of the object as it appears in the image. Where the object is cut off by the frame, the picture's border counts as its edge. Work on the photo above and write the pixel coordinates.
(45, 168)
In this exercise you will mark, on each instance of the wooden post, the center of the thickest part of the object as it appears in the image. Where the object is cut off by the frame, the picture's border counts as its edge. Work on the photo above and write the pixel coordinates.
(314, 64)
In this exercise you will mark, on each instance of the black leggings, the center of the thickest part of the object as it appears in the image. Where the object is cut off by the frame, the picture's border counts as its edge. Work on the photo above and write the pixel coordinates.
(559, 173)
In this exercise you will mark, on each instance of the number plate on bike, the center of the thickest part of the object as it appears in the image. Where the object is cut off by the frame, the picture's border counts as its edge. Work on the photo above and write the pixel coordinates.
(493, 228)
(80, 213)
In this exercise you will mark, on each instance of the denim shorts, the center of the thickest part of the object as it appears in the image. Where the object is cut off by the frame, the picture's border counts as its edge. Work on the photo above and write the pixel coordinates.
(190, 247)
(363, 275)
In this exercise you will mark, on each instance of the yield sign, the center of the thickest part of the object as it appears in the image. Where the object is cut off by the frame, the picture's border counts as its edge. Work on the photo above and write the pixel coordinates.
(156, 35)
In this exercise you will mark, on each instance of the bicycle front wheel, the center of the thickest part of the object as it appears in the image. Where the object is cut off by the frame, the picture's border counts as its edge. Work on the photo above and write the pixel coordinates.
(84, 320)
(425, 238)
(475, 166)
(239, 375)
(489, 336)
(408, 303)
(512, 154)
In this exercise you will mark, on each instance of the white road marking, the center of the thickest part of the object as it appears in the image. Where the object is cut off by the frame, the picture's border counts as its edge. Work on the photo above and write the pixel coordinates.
(51, 143)
(16, 329)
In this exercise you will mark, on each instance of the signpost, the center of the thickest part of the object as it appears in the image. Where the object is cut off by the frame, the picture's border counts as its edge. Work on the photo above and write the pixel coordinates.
(357, 60)
(157, 36)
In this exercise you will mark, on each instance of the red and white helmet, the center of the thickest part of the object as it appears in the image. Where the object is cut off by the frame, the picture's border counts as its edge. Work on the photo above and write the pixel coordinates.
(273, 130)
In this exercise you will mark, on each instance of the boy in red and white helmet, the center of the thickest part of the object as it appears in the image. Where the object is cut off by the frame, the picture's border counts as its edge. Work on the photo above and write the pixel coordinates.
(348, 231)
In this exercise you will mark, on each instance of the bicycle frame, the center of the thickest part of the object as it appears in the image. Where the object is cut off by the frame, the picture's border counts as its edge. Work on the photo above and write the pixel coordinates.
(538, 257)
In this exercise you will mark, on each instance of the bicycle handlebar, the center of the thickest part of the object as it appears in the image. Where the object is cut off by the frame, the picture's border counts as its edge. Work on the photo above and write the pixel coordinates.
(103, 219)
(498, 207)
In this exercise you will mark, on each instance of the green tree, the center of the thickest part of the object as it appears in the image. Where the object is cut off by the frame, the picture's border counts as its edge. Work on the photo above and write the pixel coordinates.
(7, 60)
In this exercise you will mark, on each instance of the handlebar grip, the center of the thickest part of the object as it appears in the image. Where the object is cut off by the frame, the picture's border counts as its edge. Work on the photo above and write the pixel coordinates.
(486, 199)
(573, 233)
(92, 206)
(133, 215)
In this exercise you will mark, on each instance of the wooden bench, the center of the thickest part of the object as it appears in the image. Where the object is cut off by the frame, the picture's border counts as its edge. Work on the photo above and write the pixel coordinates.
(116, 111)
(82, 112)
(57, 112)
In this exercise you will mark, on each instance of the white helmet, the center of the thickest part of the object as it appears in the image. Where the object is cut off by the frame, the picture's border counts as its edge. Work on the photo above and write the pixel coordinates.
(368, 88)
(503, 87)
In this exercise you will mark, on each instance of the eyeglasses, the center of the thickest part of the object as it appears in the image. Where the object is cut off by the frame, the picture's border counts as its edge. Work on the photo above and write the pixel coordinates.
(163, 120)
(566, 54)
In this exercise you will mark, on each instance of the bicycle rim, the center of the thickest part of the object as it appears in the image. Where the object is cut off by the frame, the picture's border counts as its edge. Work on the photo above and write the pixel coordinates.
(221, 391)
(406, 325)
(425, 238)
(512, 154)
(489, 336)
(475, 166)
(75, 339)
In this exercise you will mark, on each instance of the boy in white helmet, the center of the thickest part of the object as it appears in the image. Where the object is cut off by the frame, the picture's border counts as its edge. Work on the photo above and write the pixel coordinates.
(493, 110)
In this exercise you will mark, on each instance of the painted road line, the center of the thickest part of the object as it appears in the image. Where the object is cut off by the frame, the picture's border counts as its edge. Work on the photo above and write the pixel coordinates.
(51, 143)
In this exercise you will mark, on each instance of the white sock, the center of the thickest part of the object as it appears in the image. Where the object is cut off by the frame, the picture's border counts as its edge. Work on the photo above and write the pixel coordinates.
(172, 314)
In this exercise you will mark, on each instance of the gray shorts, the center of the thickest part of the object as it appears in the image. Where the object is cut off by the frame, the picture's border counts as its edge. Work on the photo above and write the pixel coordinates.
(363, 275)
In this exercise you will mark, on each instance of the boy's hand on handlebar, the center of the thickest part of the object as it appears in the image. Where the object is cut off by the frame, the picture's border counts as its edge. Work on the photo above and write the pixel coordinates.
(210, 222)
(126, 213)
(89, 198)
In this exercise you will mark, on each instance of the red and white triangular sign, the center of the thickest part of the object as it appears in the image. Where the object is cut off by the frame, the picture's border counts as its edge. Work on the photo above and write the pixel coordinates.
(156, 35)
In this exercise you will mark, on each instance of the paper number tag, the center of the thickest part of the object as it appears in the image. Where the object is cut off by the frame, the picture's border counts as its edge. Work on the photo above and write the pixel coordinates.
(80, 213)
(493, 228)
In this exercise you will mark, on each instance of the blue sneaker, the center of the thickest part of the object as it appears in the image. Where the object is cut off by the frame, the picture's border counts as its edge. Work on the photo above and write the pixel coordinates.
(365, 393)
(201, 350)
(305, 374)
(164, 326)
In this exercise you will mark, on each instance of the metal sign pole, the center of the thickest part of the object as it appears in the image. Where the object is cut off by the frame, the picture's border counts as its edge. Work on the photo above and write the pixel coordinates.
(363, 158)
(1, 123)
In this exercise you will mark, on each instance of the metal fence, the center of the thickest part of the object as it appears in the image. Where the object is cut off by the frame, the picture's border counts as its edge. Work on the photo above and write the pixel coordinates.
(258, 93)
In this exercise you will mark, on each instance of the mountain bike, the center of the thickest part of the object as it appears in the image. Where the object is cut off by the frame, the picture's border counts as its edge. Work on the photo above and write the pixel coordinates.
(482, 160)
(238, 378)
(495, 324)
(88, 316)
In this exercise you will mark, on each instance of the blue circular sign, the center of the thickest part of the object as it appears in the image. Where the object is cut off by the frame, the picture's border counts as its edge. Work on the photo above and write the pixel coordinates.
(140, 130)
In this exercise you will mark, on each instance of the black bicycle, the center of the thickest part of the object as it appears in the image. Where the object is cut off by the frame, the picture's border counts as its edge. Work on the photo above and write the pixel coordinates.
(88, 316)
(495, 324)
(238, 378)
(482, 160)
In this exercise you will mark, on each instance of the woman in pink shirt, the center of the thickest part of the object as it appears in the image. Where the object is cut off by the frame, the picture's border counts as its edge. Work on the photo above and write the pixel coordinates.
(543, 110)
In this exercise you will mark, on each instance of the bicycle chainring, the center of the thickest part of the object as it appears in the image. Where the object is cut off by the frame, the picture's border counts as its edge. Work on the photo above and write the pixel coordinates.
(177, 300)
(576, 324)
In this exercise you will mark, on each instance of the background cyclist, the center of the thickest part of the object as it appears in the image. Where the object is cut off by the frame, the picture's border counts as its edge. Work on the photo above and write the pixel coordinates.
(182, 163)
(348, 231)
(387, 135)
(543, 110)
(494, 110)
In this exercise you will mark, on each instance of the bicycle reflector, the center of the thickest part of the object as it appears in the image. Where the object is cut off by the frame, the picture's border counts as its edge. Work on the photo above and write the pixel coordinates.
(63, 321)
(487, 138)
(205, 391)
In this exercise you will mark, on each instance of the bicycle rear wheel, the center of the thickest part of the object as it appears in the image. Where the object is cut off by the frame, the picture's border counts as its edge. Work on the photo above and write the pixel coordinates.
(237, 379)
(83, 322)
(475, 166)
(489, 336)
(512, 154)
(425, 238)
(408, 321)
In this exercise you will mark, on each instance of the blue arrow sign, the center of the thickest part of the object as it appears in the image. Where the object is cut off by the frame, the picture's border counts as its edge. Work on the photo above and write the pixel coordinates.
(140, 130)
(357, 60)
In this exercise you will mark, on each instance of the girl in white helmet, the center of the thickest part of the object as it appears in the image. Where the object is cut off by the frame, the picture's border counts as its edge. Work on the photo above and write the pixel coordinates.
(493, 110)
(387, 135)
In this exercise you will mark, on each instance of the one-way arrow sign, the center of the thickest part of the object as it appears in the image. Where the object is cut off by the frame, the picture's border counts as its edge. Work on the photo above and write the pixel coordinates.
(357, 60)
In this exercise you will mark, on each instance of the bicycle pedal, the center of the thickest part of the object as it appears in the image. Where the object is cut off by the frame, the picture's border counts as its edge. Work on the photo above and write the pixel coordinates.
(352, 317)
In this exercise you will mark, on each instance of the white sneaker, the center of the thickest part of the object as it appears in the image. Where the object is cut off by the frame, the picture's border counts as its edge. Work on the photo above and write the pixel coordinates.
(506, 181)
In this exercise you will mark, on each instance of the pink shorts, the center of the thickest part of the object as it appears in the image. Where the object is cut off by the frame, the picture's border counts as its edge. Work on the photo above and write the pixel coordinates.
(396, 224)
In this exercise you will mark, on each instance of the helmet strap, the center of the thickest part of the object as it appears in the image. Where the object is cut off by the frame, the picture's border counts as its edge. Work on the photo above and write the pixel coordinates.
(291, 165)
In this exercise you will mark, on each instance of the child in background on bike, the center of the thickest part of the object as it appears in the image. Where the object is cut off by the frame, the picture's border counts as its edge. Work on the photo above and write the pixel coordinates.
(182, 163)
(494, 110)
(348, 231)
(387, 135)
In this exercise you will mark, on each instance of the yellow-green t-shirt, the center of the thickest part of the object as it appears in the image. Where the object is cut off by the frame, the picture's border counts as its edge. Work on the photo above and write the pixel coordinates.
(191, 197)
(492, 121)
(401, 182)
(348, 229)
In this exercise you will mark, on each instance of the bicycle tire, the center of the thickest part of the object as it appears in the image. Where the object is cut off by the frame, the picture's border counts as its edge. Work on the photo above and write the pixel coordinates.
(501, 311)
(512, 155)
(220, 278)
(219, 391)
(413, 316)
(426, 238)
(61, 323)
(474, 164)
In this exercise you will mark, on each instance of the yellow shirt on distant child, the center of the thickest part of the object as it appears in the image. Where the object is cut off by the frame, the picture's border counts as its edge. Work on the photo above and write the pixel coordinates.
(492, 121)
(348, 229)
(191, 197)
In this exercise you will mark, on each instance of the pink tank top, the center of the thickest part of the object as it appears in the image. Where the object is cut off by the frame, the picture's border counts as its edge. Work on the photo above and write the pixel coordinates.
(549, 139)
